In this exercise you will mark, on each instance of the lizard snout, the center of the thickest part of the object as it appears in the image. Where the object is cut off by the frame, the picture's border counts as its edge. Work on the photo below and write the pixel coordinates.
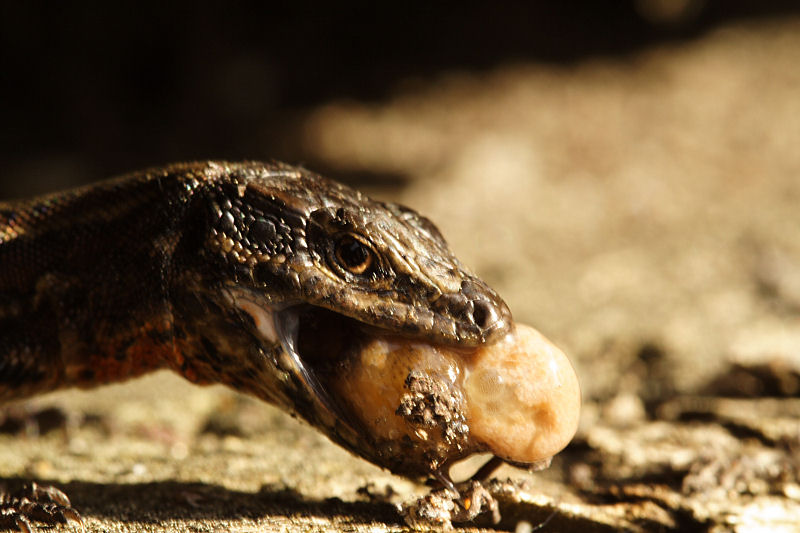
(480, 315)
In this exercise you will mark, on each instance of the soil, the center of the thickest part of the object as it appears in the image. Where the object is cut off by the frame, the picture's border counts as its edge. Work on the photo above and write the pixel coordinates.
(639, 210)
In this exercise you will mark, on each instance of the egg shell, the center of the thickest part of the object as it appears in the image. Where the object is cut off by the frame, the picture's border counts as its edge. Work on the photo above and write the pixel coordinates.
(523, 397)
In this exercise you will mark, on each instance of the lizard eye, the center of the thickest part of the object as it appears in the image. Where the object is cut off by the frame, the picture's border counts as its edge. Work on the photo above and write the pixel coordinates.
(354, 255)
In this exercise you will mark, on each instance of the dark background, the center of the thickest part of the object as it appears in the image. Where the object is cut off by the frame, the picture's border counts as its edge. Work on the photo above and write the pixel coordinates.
(101, 88)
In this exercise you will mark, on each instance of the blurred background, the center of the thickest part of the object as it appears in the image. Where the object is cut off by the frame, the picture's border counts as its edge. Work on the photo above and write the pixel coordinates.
(105, 88)
(625, 173)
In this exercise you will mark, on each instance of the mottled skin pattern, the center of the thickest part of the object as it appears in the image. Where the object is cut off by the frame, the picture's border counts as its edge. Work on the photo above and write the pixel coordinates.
(150, 270)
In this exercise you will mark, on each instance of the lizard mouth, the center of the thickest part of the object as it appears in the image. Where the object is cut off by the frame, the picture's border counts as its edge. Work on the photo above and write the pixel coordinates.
(315, 340)
(319, 343)
(316, 343)
(322, 338)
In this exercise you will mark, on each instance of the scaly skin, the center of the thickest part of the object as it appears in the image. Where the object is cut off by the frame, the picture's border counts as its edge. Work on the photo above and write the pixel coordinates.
(211, 269)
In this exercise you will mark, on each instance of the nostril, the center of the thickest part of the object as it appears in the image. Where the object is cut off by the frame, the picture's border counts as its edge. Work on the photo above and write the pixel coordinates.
(482, 314)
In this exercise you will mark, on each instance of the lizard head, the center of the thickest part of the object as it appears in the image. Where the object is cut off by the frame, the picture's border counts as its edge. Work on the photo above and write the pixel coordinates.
(295, 267)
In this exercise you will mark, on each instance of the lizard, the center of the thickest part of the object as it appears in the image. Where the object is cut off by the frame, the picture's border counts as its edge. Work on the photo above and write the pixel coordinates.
(248, 274)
